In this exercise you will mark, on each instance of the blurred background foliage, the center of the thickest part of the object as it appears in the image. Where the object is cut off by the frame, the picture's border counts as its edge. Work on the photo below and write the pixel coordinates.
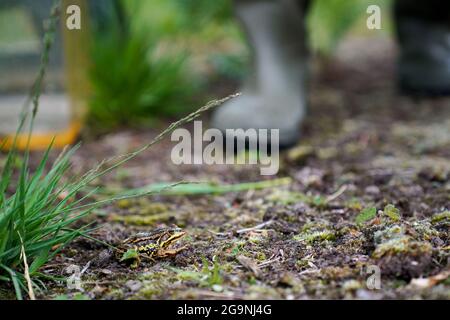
(158, 61)
(160, 57)
(331, 20)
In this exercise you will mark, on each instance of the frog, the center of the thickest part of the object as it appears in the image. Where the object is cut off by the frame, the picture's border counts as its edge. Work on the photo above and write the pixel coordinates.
(156, 244)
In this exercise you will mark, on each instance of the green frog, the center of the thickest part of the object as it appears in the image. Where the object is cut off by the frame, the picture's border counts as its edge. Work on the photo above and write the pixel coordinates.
(157, 244)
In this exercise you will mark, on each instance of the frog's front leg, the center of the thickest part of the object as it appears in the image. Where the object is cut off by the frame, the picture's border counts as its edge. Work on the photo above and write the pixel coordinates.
(170, 252)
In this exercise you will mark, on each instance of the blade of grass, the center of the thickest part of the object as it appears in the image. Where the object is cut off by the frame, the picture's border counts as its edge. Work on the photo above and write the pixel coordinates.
(200, 188)
(15, 282)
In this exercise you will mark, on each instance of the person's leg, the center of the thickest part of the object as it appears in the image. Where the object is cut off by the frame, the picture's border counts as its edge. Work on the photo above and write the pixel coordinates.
(274, 95)
(423, 30)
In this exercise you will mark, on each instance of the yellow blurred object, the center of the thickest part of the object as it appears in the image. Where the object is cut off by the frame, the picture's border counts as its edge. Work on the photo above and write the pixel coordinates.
(41, 141)
(60, 115)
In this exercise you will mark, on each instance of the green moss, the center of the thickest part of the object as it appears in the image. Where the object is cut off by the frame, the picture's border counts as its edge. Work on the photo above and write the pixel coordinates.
(255, 239)
(260, 256)
(155, 284)
(302, 263)
(152, 208)
(140, 220)
(124, 204)
(149, 291)
(402, 245)
(425, 229)
(389, 233)
(316, 236)
(210, 274)
(115, 294)
(315, 225)
(441, 217)
(238, 248)
(354, 204)
(289, 197)
(142, 207)
(300, 153)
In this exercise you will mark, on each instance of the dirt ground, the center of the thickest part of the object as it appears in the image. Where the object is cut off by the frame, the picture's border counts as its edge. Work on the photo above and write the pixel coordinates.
(363, 146)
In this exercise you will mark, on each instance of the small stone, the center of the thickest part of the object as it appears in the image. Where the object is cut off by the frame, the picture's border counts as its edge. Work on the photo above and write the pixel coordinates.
(364, 294)
(372, 190)
(106, 271)
(133, 285)
(217, 288)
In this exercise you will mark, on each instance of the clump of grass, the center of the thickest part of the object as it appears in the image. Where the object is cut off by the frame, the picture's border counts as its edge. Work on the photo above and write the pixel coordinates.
(132, 82)
(37, 219)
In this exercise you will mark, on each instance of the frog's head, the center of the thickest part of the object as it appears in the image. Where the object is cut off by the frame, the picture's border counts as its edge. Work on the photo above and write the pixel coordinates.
(173, 235)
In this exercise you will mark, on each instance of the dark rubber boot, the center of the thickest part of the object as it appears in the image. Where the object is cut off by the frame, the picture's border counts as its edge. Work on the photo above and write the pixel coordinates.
(423, 30)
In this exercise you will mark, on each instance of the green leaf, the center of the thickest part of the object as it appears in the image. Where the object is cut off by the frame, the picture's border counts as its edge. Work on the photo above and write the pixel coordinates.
(366, 215)
(392, 212)
(215, 277)
(131, 254)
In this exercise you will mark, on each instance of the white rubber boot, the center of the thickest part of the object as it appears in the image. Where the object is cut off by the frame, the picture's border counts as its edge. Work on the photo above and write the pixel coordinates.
(274, 96)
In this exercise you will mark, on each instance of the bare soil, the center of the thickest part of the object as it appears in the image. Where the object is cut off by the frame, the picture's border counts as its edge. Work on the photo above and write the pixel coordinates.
(364, 145)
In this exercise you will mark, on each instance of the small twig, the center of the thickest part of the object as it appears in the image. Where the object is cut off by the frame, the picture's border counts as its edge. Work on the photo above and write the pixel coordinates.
(268, 262)
(272, 259)
(337, 194)
(99, 282)
(27, 271)
(430, 281)
(308, 271)
(259, 226)
(85, 267)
